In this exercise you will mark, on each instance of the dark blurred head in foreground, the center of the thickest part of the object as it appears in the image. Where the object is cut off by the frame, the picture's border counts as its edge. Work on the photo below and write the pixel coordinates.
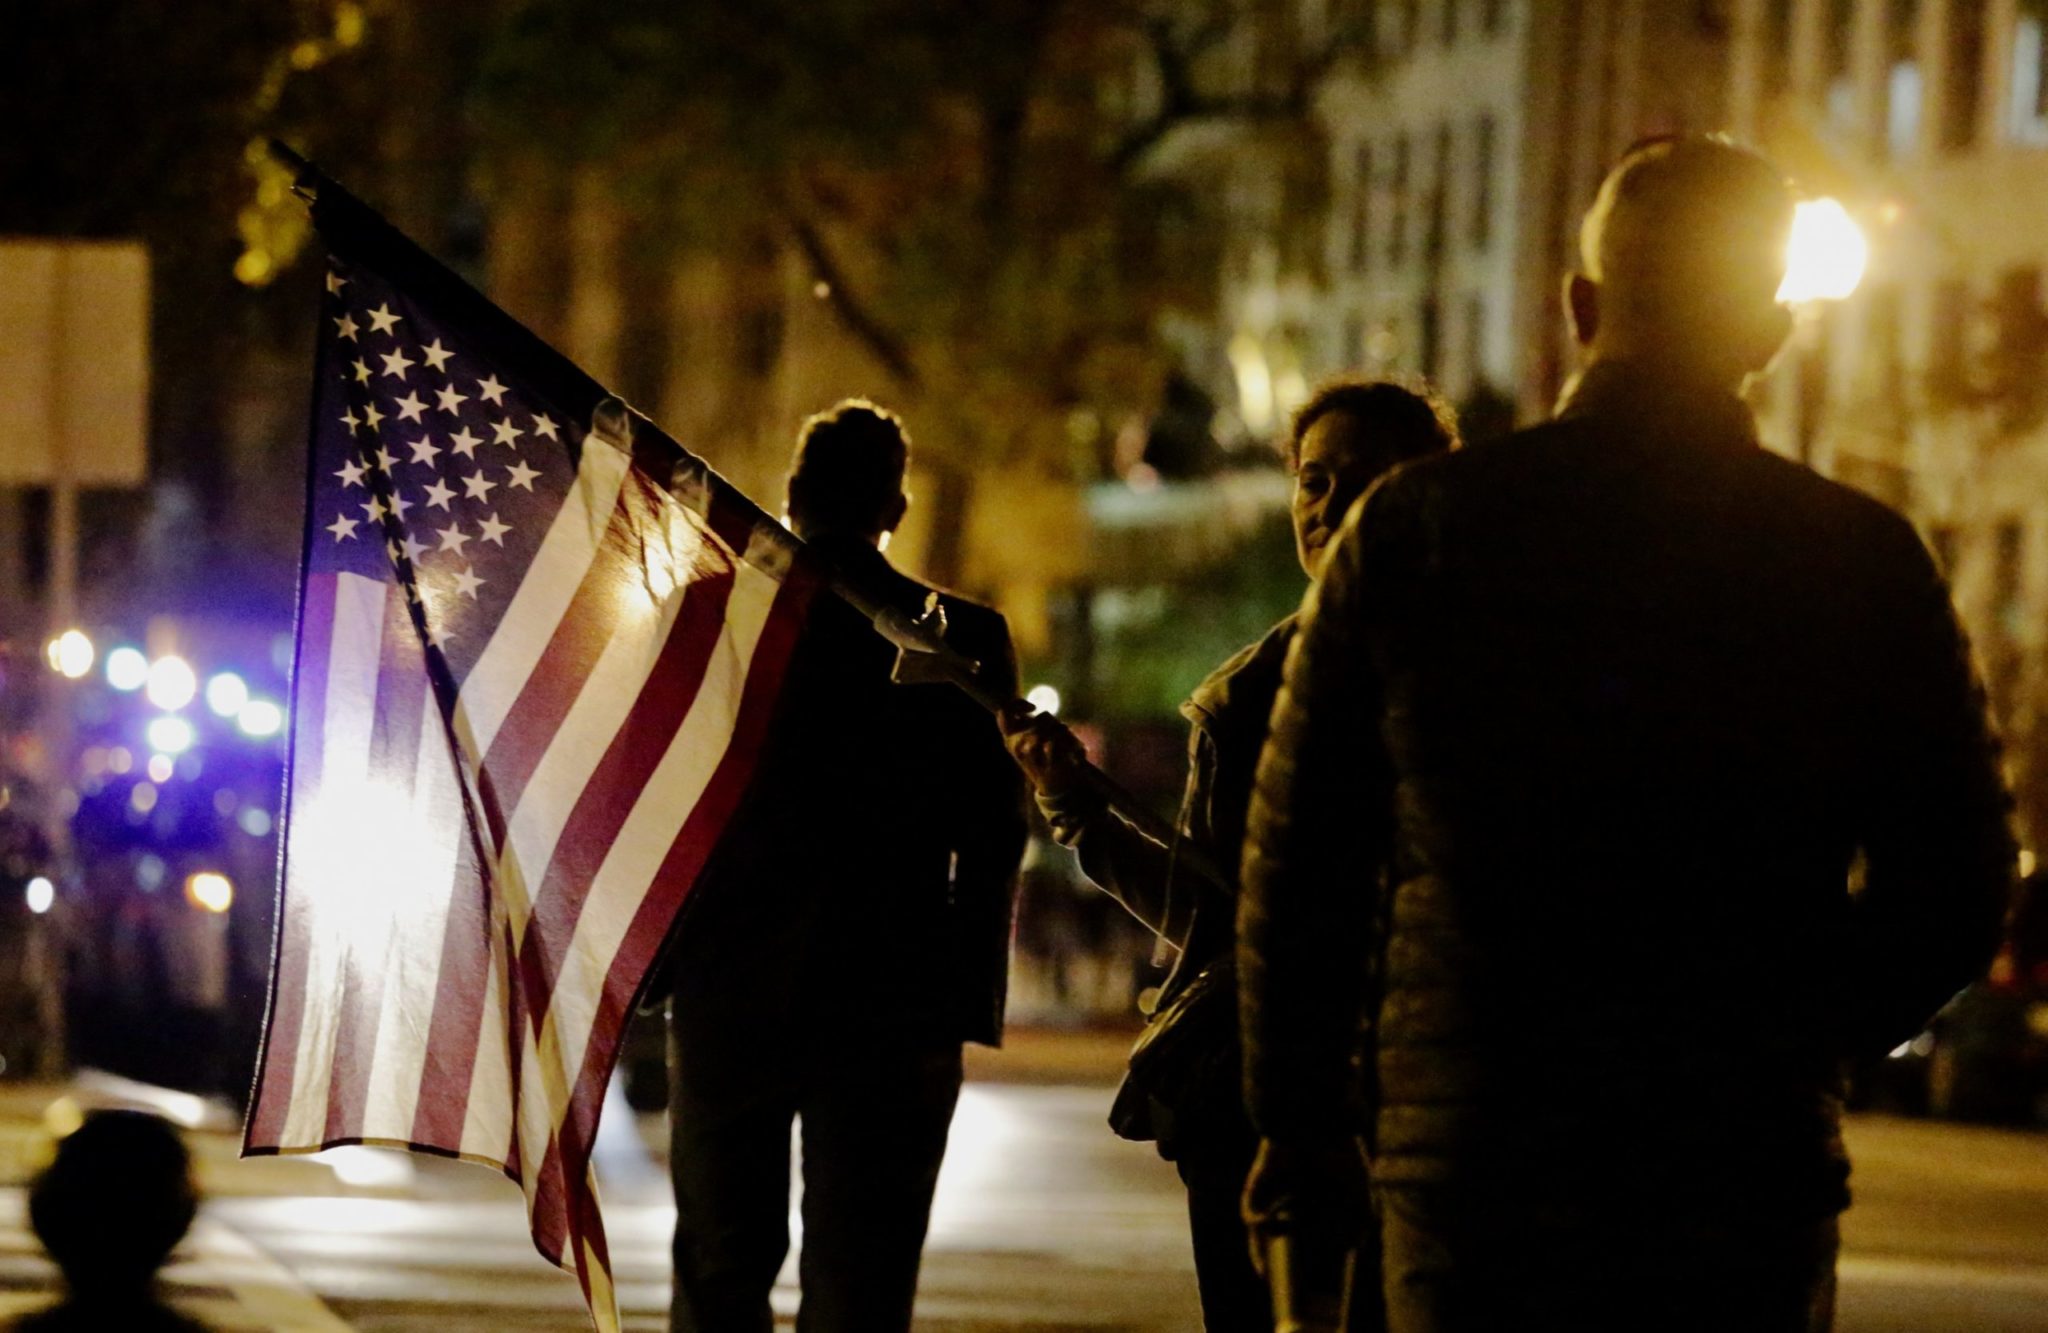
(847, 477)
(1350, 433)
(109, 1209)
(1681, 257)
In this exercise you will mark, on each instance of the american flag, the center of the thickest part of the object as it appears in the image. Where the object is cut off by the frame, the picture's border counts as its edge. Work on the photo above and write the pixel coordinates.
(538, 643)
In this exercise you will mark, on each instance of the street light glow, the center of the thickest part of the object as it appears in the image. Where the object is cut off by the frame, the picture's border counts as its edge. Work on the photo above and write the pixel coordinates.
(169, 735)
(211, 890)
(1045, 699)
(226, 693)
(40, 894)
(1827, 254)
(70, 654)
(171, 683)
(127, 668)
(259, 718)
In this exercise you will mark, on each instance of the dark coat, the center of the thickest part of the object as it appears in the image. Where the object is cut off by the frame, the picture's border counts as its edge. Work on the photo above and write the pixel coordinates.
(1194, 919)
(868, 876)
(1627, 704)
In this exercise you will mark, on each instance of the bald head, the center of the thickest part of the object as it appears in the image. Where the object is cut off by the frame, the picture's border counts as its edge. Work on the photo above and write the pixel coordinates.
(1682, 254)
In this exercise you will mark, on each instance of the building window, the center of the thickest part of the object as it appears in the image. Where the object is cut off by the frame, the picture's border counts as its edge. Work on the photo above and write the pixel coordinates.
(1438, 223)
(1397, 204)
(1947, 340)
(1963, 91)
(1475, 342)
(1482, 184)
(2027, 115)
(1361, 210)
(1775, 50)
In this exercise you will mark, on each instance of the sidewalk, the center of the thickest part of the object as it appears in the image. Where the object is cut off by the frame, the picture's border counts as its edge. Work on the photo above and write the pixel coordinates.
(216, 1275)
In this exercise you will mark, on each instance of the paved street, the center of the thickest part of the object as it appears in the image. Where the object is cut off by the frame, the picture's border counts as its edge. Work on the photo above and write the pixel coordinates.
(1044, 1221)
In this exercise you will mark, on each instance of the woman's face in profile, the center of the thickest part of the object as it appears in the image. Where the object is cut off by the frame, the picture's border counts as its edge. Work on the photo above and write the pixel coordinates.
(1337, 464)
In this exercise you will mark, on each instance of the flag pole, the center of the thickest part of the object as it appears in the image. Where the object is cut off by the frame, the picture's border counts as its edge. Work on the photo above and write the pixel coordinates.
(918, 640)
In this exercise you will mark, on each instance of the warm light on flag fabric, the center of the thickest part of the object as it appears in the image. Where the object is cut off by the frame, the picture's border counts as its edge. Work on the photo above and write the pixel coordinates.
(538, 643)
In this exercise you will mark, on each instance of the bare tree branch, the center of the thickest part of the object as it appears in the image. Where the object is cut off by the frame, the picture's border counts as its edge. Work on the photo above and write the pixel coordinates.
(851, 311)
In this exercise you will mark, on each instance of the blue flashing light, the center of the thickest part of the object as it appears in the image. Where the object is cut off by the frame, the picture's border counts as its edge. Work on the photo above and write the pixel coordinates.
(226, 693)
(127, 668)
(170, 735)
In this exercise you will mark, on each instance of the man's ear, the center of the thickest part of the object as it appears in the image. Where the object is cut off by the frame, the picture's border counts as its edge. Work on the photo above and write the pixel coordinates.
(893, 515)
(1582, 307)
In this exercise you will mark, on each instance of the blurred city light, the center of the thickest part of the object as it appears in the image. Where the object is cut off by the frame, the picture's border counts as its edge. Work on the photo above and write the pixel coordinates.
(161, 768)
(255, 821)
(40, 894)
(226, 693)
(127, 669)
(211, 890)
(171, 683)
(1045, 699)
(70, 654)
(260, 717)
(168, 736)
(1827, 255)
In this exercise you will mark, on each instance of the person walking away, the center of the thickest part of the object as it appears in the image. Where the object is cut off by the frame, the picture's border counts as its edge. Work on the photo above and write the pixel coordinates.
(1349, 434)
(1684, 780)
(850, 932)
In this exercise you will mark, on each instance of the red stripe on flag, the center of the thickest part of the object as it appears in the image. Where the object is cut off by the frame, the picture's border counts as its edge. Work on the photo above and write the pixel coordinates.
(276, 1068)
(673, 882)
(606, 801)
(550, 689)
(397, 717)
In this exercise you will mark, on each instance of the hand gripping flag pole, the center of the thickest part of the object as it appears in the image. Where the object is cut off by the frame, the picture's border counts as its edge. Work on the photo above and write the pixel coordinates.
(538, 645)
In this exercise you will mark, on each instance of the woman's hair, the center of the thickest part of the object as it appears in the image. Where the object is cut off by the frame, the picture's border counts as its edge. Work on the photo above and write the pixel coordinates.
(1410, 419)
(849, 465)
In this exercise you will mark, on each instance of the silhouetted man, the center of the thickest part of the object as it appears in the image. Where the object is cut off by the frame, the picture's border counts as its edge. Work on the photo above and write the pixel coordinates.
(851, 931)
(1628, 778)
(114, 1202)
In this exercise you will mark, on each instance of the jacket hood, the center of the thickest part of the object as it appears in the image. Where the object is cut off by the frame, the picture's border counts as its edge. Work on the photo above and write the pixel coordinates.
(1252, 672)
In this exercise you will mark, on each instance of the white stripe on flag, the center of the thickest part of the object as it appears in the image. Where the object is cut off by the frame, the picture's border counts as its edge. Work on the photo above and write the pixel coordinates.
(487, 1122)
(327, 869)
(420, 920)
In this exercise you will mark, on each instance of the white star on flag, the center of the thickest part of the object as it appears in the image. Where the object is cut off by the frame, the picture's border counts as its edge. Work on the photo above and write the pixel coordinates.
(492, 530)
(343, 527)
(452, 538)
(451, 401)
(438, 494)
(490, 389)
(521, 475)
(410, 407)
(397, 363)
(382, 320)
(345, 327)
(544, 427)
(424, 450)
(466, 583)
(437, 355)
(464, 442)
(476, 487)
(335, 282)
(438, 633)
(362, 369)
(351, 420)
(374, 508)
(351, 474)
(371, 415)
(399, 504)
(414, 549)
(384, 459)
(507, 433)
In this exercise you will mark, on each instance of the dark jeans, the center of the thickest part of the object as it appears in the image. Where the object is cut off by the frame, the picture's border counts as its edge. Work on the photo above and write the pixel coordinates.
(1601, 1267)
(875, 1110)
(1234, 1296)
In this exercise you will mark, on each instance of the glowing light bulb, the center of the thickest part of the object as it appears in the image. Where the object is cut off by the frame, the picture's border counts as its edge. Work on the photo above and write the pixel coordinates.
(1827, 254)
(127, 669)
(70, 654)
(171, 683)
(226, 693)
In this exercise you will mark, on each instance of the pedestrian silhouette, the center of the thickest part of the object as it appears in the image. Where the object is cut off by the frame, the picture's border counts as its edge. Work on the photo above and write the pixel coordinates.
(109, 1209)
